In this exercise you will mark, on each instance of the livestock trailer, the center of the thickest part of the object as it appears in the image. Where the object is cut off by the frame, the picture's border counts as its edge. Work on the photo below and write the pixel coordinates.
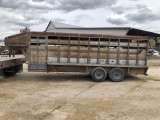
(97, 54)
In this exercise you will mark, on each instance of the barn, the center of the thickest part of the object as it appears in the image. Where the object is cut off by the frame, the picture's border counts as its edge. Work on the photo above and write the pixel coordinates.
(54, 26)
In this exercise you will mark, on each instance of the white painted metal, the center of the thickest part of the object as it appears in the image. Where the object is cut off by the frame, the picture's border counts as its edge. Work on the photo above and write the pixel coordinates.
(94, 61)
(66, 28)
(109, 31)
(8, 62)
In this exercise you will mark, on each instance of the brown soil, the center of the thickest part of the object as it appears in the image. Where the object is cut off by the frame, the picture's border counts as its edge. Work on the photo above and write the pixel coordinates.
(52, 96)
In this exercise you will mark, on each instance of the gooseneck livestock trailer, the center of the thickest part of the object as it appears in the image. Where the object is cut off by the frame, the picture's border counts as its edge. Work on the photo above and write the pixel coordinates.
(97, 54)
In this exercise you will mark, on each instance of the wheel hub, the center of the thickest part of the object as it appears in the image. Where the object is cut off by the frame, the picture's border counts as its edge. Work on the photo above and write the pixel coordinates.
(99, 74)
(117, 74)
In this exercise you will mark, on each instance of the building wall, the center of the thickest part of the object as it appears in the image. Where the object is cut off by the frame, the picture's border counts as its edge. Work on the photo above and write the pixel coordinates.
(50, 27)
(90, 31)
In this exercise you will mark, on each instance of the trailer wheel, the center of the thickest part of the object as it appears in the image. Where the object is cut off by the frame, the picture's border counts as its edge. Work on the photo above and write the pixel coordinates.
(99, 74)
(10, 71)
(116, 74)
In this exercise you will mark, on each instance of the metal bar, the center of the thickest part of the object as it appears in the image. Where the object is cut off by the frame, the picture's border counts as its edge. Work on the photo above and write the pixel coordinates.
(37, 52)
(61, 68)
(108, 53)
(96, 65)
(118, 51)
(95, 43)
(86, 69)
(24, 53)
(68, 50)
(92, 49)
(127, 70)
(128, 52)
(58, 57)
(98, 53)
(53, 68)
(137, 56)
(78, 50)
(46, 51)
(81, 35)
(88, 56)
(146, 53)
(29, 51)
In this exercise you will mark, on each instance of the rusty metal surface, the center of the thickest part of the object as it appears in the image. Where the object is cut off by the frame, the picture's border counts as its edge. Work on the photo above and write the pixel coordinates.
(17, 40)
(57, 52)
(76, 35)
(86, 50)
(88, 69)
(66, 68)
(96, 65)
(136, 71)
(16, 35)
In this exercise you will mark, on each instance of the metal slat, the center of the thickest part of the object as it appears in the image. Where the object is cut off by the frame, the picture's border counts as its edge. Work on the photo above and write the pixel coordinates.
(98, 53)
(137, 57)
(146, 53)
(37, 52)
(127, 62)
(58, 56)
(78, 50)
(108, 53)
(68, 60)
(88, 56)
(46, 44)
(118, 52)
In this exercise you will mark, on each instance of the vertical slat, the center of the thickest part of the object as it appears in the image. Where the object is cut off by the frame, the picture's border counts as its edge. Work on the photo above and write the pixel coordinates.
(88, 56)
(98, 54)
(146, 52)
(58, 57)
(46, 51)
(137, 56)
(78, 50)
(128, 52)
(68, 50)
(118, 51)
(108, 53)
(29, 51)
(37, 52)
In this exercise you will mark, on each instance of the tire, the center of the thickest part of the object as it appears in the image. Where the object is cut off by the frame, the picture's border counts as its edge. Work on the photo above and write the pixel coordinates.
(99, 74)
(116, 74)
(10, 71)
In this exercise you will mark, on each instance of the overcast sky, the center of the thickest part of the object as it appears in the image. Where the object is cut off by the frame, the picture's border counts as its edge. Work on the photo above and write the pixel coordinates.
(35, 14)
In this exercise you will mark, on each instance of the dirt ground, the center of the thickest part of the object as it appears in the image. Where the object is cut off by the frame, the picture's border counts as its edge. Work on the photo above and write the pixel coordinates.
(52, 96)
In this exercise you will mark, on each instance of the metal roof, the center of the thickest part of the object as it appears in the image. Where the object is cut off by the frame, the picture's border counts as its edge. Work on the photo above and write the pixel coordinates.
(139, 32)
(58, 25)
(54, 26)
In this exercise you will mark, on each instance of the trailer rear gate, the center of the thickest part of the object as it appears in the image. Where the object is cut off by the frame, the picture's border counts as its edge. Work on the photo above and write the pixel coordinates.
(62, 52)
